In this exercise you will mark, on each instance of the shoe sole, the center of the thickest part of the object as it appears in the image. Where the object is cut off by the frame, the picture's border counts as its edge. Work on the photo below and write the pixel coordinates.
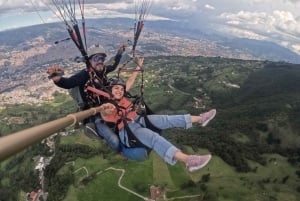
(199, 167)
(91, 133)
(208, 120)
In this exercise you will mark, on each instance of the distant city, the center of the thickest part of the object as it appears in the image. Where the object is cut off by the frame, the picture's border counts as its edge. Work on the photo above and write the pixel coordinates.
(24, 58)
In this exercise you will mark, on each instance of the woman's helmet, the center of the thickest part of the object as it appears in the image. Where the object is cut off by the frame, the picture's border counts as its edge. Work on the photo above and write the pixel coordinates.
(117, 81)
(96, 49)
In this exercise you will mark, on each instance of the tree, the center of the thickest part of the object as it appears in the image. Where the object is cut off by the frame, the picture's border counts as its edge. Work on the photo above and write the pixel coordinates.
(205, 177)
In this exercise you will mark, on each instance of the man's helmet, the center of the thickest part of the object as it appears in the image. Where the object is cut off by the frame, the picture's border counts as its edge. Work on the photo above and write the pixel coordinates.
(117, 81)
(96, 49)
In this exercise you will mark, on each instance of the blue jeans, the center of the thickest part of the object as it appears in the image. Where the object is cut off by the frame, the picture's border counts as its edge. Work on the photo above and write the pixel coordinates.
(152, 139)
(109, 136)
(134, 153)
(138, 153)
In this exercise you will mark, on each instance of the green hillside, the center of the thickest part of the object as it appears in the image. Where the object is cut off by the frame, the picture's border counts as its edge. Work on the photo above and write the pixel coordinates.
(254, 139)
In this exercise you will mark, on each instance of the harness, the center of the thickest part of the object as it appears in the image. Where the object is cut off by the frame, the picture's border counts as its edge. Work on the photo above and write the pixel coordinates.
(98, 94)
(95, 89)
(143, 112)
(95, 93)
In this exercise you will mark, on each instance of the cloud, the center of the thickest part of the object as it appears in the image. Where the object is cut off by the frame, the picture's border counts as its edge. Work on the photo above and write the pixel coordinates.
(209, 7)
(283, 21)
(294, 1)
(31, 5)
(276, 21)
(296, 48)
(278, 26)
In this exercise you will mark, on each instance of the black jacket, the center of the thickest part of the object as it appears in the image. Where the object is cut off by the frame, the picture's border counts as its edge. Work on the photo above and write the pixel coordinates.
(80, 79)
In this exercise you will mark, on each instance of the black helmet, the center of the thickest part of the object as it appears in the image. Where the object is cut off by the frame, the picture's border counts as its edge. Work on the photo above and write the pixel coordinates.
(117, 81)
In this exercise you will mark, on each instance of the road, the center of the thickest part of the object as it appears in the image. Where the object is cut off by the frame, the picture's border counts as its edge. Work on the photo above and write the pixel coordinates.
(132, 192)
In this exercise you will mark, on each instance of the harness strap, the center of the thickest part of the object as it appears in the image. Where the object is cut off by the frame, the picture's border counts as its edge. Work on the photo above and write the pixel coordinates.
(133, 141)
(98, 91)
(150, 125)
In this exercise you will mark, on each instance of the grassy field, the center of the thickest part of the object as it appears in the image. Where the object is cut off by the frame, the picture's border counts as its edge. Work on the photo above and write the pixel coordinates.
(161, 174)
(225, 184)
(265, 184)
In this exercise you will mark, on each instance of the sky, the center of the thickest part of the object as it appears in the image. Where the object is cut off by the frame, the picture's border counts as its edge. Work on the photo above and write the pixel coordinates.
(271, 20)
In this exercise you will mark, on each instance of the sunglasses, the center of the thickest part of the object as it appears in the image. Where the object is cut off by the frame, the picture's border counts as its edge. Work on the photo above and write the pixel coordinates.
(98, 59)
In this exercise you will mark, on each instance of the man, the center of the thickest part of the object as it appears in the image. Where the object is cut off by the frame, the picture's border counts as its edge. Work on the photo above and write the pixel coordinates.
(97, 70)
(95, 75)
(98, 75)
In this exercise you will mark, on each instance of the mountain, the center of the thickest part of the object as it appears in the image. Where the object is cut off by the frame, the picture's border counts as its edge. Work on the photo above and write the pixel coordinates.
(157, 38)
(263, 49)
(230, 47)
(26, 52)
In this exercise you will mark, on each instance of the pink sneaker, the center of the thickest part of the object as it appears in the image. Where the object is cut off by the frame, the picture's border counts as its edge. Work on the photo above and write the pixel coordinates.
(207, 116)
(196, 162)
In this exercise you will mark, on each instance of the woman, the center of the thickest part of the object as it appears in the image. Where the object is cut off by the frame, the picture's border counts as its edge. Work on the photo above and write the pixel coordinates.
(121, 112)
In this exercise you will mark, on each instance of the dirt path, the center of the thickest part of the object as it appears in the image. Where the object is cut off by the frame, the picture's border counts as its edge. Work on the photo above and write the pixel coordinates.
(131, 191)
(123, 187)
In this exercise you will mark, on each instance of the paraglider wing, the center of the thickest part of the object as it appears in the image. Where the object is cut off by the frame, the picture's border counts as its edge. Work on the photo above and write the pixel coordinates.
(141, 12)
